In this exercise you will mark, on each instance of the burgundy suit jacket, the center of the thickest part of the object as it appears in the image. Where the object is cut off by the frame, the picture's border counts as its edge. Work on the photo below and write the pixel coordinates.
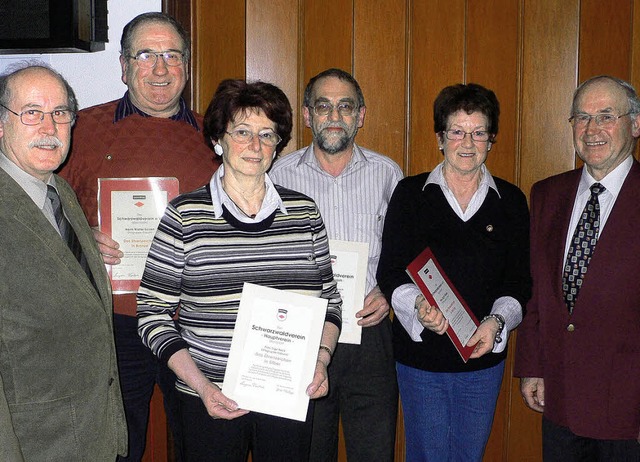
(590, 360)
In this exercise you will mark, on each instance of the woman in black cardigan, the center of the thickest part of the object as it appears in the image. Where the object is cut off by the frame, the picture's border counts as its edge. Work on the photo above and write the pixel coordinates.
(477, 227)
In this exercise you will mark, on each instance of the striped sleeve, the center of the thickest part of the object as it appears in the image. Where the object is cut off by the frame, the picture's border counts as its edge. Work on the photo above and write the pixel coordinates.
(159, 293)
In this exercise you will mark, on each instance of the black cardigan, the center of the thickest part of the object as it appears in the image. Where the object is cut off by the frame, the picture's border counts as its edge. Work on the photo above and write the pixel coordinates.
(485, 258)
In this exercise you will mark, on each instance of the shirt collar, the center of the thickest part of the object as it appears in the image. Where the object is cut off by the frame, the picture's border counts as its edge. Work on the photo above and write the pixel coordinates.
(219, 197)
(126, 108)
(35, 188)
(309, 158)
(437, 177)
(612, 181)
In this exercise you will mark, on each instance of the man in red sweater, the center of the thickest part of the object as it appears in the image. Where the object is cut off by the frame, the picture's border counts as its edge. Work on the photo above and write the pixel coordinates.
(149, 132)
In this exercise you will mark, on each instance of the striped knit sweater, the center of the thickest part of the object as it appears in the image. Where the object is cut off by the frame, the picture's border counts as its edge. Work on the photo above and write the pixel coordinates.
(198, 262)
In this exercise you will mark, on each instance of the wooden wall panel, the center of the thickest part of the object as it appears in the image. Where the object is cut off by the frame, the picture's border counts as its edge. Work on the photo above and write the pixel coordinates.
(326, 41)
(635, 40)
(181, 11)
(492, 53)
(605, 50)
(550, 49)
(379, 67)
(436, 59)
(272, 49)
(218, 37)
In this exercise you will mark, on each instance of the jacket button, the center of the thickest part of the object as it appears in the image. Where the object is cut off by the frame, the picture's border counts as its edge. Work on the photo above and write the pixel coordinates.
(571, 328)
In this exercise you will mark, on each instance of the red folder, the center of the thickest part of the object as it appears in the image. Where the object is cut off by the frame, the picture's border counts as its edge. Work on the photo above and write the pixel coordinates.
(418, 271)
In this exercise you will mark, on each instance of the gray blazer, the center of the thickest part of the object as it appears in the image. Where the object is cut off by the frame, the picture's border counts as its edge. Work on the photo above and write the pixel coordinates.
(60, 395)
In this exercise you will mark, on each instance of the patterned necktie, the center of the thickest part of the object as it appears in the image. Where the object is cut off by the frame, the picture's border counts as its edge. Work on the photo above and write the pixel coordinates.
(582, 247)
(66, 231)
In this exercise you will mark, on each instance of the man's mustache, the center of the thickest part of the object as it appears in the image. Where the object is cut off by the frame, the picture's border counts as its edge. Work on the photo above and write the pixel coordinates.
(47, 141)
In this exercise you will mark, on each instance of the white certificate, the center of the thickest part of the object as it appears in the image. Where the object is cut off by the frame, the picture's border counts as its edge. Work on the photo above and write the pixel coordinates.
(136, 215)
(129, 210)
(274, 351)
(349, 263)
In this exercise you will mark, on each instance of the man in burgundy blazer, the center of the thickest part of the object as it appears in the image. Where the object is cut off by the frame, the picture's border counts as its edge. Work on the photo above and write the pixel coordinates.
(582, 369)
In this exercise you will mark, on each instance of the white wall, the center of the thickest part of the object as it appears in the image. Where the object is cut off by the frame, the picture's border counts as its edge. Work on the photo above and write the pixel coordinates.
(95, 77)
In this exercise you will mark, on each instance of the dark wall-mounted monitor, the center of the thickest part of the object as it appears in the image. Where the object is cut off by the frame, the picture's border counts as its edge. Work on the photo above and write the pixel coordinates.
(52, 26)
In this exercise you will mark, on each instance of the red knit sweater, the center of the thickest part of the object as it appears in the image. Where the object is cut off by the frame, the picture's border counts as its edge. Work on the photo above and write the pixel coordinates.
(135, 146)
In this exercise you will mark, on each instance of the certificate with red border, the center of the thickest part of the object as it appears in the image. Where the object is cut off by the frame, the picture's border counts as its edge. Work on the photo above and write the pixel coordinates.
(129, 210)
(428, 275)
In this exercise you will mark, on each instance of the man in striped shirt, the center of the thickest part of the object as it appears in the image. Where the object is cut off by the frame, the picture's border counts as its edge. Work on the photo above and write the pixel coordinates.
(352, 187)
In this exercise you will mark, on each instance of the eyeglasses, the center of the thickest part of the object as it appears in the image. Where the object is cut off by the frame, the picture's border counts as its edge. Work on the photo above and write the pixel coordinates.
(148, 59)
(476, 135)
(345, 109)
(602, 120)
(244, 136)
(35, 116)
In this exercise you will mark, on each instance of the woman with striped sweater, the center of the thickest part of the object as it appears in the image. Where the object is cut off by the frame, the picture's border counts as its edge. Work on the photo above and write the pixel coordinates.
(239, 228)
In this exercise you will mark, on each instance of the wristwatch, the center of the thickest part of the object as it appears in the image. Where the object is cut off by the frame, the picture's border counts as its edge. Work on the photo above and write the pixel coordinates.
(500, 320)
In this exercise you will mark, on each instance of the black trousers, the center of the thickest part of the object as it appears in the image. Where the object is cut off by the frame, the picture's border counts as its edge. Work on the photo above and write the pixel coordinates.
(270, 439)
(559, 444)
(139, 371)
(363, 392)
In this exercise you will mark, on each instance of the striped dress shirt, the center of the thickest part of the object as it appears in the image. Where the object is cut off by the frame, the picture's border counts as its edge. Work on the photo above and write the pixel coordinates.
(352, 204)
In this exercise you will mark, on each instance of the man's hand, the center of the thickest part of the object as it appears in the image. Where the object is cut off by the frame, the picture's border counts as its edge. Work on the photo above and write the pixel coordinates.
(108, 248)
(532, 390)
(375, 309)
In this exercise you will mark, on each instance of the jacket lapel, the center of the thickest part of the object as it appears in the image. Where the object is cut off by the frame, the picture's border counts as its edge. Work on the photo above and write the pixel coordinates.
(17, 203)
(559, 209)
(78, 222)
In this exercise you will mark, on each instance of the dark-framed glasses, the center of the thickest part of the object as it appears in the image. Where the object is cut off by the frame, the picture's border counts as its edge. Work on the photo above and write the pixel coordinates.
(244, 136)
(148, 59)
(344, 108)
(35, 116)
(604, 119)
(476, 135)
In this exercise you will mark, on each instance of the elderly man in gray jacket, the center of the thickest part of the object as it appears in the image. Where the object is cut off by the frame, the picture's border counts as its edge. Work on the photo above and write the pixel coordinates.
(59, 390)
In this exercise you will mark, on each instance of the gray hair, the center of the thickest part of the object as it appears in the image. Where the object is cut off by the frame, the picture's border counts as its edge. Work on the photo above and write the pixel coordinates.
(16, 69)
(632, 95)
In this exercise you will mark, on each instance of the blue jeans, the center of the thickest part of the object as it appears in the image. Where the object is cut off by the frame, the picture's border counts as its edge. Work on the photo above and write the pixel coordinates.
(448, 415)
